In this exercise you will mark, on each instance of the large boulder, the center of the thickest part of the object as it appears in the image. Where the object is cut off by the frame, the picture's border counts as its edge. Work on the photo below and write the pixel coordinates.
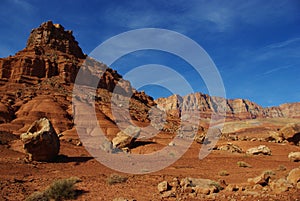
(294, 156)
(291, 133)
(261, 149)
(41, 142)
(294, 176)
(126, 138)
(280, 185)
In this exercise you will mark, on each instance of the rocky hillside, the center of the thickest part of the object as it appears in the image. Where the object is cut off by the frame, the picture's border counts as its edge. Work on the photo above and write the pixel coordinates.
(235, 108)
(38, 82)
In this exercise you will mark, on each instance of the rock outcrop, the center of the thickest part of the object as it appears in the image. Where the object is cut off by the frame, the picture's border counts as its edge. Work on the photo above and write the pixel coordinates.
(41, 142)
(235, 108)
(38, 81)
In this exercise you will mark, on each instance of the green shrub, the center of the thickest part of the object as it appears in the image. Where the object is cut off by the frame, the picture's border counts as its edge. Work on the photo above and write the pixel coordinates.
(37, 196)
(223, 173)
(62, 189)
(115, 178)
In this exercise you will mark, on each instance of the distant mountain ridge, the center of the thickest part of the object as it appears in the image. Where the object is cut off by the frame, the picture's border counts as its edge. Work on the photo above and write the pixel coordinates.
(235, 108)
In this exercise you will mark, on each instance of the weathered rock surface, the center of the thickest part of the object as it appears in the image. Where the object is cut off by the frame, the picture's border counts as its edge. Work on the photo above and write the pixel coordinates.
(126, 138)
(291, 133)
(294, 176)
(262, 179)
(163, 186)
(38, 81)
(230, 148)
(41, 142)
(261, 149)
(235, 108)
(294, 156)
(280, 185)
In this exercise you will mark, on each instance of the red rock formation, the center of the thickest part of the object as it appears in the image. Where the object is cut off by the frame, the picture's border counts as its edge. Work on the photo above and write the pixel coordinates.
(38, 82)
(235, 108)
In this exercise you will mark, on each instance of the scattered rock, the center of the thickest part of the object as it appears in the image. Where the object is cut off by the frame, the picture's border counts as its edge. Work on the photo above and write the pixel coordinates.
(123, 199)
(261, 149)
(201, 186)
(126, 138)
(163, 186)
(230, 148)
(294, 156)
(275, 137)
(291, 133)
(262, 179)
(168, 194)
(41, 142)
(280, 185)
(232, 188)
(294, 176)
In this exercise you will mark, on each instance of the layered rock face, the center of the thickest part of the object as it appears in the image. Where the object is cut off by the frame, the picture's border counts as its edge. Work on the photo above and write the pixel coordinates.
(38, 82)
(235, 108)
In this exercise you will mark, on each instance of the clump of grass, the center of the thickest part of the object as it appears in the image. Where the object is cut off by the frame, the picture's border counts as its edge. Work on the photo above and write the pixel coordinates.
(38, 196)
(243, 164)
(115, 179)
(62, 189)
(223, 173)
(217, 185)
(269, 172)
(281, 168)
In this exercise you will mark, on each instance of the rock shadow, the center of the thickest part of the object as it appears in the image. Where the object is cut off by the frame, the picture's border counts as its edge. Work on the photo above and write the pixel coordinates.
(295, 139)
(69, 159)
(141, 143)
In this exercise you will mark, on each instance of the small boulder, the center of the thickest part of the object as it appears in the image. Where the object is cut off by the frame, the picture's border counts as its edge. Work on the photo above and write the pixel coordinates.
(200, 186)
(230, 148)
(262, 179)
(126, 138)
(41, 142)
(294, 176)
(261, 149)
(275, 137)
(163, 186)
(294, 156)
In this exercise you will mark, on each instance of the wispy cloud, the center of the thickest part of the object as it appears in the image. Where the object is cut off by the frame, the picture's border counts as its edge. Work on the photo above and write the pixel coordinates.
(276, 69)
(212, 16)
(25, 5)
(283, 43)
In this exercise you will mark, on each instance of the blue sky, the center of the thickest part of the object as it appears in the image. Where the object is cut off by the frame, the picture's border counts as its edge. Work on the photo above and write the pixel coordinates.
(255, 44)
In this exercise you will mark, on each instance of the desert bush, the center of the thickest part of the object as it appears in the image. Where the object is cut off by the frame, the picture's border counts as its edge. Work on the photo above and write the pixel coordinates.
(115, 178)
(37, 196)
(269, 172)
(281, 168)
(223, 173)
(62, 189)
(217, 185)
(243, 164)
